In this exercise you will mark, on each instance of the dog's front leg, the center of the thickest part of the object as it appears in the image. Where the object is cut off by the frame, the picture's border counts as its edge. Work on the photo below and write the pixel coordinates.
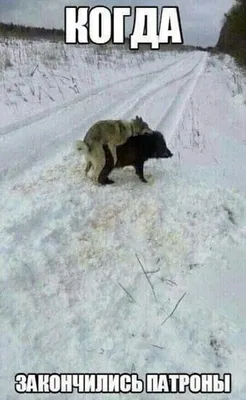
(139, 171)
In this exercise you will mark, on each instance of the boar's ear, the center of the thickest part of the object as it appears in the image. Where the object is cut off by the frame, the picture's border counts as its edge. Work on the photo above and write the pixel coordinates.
(137, 117)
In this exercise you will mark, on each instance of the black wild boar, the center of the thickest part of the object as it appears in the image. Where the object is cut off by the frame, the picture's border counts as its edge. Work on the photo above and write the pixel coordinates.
(135, 152)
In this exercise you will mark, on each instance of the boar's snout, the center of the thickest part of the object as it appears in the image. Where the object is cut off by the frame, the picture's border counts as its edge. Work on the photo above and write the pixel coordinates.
(166, 153)
(170, 154)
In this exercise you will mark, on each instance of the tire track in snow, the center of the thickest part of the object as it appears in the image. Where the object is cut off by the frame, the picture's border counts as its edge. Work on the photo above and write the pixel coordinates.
(61, 107)
(124, 106)
(176, 109)
(125, 101)
(159, 88)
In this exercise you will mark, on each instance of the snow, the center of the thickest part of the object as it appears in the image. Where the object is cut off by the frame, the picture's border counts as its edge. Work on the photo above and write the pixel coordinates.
(74, 297)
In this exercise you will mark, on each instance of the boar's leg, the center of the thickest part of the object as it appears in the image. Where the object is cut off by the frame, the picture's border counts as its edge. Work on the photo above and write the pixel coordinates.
(139, 171)
(109, 165)
(103, 176)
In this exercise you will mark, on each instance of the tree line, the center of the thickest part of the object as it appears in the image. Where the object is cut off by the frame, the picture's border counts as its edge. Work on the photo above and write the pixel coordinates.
(232, 39)
(8, 30)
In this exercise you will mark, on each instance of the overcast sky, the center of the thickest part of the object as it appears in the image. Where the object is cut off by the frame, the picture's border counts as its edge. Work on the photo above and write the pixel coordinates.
(201, 19)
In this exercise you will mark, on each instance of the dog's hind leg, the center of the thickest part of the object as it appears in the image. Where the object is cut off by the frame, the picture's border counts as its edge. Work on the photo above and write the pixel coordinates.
(97, 159)
(113, 152)
(139, 171)
(88, 167)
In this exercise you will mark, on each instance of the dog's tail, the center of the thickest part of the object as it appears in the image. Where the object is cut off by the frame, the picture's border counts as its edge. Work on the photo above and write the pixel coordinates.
(82, 146)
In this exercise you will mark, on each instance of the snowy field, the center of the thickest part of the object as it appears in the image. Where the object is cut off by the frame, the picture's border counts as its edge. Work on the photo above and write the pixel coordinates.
(74, 296)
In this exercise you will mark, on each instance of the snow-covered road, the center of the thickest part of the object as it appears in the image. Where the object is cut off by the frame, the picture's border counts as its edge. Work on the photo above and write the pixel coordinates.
(74, 297)
(35, 139)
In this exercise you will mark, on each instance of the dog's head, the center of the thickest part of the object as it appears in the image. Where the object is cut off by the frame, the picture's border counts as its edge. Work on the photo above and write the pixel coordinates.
(140, 126)
(160, 149)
